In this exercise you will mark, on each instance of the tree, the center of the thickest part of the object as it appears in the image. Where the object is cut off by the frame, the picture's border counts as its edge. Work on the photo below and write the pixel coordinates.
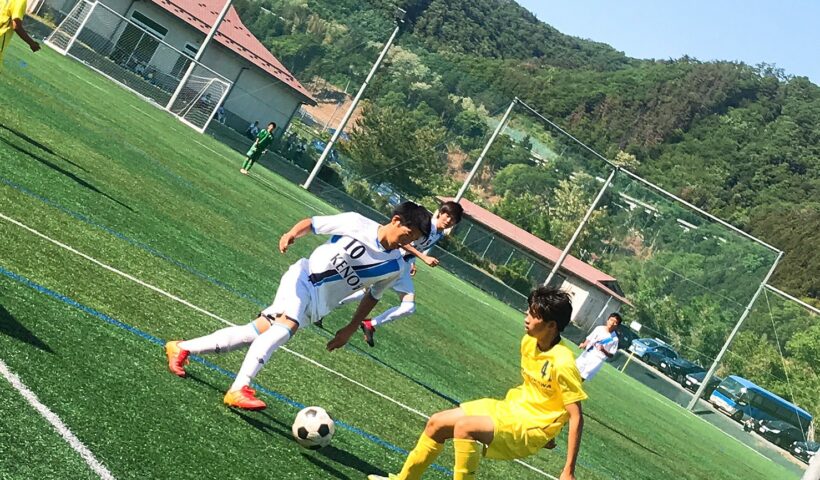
(399, 147)
(518, 179)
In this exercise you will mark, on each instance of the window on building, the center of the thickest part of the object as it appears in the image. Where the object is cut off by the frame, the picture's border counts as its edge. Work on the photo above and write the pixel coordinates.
(148, 24)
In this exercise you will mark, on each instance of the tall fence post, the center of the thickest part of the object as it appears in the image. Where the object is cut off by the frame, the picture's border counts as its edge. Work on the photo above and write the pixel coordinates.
(580, 227)
(349, 113)
(732, 335)
(498, 128)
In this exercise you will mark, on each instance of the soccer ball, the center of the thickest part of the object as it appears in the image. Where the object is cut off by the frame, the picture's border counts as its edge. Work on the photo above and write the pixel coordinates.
(313, 428)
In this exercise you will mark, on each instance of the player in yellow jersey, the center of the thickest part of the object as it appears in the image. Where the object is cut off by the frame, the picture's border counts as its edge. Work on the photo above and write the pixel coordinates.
(531, 415)
(11, 20)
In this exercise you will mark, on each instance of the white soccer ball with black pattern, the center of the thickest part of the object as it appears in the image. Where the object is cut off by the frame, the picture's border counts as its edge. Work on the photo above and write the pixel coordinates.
(313, 428)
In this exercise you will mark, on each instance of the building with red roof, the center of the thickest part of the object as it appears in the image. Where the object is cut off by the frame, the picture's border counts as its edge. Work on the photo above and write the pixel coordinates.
(263, 89)
(595, 293)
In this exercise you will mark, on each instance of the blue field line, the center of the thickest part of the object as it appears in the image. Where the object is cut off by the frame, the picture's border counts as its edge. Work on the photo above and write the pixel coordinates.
(204, 276)
(158, 341)
(133, 242)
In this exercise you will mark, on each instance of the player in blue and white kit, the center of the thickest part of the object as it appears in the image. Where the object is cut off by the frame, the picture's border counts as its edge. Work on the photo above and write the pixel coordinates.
(360, 254)
(447, 217)
(599, 345)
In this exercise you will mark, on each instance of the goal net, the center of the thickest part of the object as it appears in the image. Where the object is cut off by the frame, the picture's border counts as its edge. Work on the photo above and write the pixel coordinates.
(133, 53)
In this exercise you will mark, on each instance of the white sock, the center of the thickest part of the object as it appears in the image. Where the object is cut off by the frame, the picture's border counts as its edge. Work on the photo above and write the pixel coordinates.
(222, 341)
(259, 354)
(355, 297)
(403, 310)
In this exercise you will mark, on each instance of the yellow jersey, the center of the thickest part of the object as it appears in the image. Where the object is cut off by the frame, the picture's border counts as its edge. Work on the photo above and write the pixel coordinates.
(10, 10)
(551, 380)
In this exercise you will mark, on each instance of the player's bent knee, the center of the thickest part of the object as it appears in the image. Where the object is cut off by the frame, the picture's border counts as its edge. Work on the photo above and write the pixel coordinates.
(463, 429)
(436, 423)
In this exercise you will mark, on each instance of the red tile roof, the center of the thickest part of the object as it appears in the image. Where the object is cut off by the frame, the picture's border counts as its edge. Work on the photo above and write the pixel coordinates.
(232, 33)
(540, 248)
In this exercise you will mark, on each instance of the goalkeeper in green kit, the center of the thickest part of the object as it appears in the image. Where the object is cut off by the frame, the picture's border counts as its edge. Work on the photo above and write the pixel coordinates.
(263, 140)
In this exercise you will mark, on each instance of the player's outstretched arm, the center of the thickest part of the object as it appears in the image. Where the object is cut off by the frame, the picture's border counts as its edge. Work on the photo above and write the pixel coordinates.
(302, 228)
(430, 261)
(17, 24)
(343, 335)
(576, 426)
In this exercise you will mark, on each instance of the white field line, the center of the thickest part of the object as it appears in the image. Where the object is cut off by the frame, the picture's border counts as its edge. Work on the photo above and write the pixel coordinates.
(140, 110)
(55, 422)
(211, 149)
(262, 180)
(86, 81)
(227, 322)
(285, 194)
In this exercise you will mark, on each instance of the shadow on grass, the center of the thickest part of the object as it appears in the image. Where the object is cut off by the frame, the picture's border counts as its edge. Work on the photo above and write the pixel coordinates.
(634, 442)
(39, 145)
(11, 327)
(68, 174)
(322, 458)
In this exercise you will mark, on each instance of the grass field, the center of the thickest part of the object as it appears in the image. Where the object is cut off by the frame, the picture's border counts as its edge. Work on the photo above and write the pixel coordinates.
(89, 165)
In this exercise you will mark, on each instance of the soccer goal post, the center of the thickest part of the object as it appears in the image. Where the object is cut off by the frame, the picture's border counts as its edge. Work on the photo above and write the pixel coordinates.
(135, 55)
(199, 98)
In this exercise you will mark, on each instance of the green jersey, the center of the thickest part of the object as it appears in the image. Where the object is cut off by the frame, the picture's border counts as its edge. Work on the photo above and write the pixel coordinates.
(263, 139)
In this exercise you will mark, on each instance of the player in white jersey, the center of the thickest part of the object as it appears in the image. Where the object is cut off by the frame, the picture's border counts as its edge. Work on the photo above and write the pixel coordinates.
(447, 217)
(599, 345)
(360, 254)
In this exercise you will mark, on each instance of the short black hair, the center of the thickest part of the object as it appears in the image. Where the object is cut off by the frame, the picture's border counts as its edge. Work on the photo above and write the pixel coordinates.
(272, 123)
(414, 215)
(454, 209)
(616, 316)
(549, 303)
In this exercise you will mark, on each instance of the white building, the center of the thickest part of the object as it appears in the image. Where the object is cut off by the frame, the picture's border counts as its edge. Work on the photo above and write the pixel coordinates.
(263, 89)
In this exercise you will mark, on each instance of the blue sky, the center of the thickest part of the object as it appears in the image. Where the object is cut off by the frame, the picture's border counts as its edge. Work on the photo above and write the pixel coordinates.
(785, 33)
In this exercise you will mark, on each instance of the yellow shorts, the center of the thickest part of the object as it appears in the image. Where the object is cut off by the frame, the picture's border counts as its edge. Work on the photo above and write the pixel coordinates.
(512, 438)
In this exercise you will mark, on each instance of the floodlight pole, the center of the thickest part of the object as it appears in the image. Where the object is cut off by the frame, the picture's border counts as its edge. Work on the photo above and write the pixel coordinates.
(581, 226)
(478, 162)
(399, 22)
(732, 335)
(199, 54)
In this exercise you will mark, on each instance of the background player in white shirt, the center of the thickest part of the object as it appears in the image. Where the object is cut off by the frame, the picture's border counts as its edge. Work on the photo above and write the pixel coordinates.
(360, 254)
(447, 217)
(599, 345)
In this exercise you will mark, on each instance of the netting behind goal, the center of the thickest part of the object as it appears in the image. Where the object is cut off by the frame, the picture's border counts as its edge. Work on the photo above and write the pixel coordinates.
(199, 98)
(136, 56)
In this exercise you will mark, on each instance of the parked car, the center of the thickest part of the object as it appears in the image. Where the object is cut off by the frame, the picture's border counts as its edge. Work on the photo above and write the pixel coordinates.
(692, 382)
(388, 192)
(678, 368)
(783, 434)
(625, 336)
(642, 345)
(320, 146)
(804, 450)
(658, 355)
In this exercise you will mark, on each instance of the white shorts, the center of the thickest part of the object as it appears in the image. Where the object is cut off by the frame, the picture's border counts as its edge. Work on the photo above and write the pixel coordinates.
(405, 282)
(588, 365)
(294, 296)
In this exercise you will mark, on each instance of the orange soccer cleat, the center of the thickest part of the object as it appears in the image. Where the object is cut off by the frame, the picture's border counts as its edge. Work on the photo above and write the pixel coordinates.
(369, 330)
(244, 398)
(177, 358)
